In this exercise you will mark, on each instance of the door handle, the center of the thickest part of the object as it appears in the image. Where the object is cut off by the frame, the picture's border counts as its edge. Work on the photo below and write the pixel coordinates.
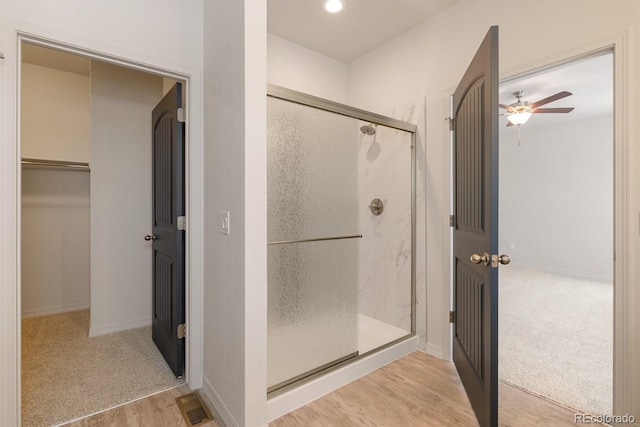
(150, 237)
(504, 259)
(480, 259)
(495, 260)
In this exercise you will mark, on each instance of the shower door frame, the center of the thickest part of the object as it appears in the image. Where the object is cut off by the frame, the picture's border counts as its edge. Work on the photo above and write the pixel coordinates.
(285, 94)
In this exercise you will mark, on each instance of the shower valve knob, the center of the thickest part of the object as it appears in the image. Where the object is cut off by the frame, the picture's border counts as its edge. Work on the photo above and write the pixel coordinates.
(376, 207)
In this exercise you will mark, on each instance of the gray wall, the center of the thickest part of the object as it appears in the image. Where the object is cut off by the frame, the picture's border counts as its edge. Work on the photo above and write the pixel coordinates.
(556, 197)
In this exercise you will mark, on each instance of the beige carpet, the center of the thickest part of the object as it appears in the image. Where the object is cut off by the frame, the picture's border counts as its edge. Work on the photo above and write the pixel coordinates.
(556, 337)
(66, 374)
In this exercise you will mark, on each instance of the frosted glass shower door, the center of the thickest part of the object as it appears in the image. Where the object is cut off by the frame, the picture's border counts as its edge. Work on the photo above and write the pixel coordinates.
(313, 244)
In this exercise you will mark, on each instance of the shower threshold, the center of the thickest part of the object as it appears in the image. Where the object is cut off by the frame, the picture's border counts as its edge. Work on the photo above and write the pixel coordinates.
(373, 336)
(286, 399)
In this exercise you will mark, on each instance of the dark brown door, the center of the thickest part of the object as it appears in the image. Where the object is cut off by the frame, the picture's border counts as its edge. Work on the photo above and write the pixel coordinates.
(168, 238)
(475, 133)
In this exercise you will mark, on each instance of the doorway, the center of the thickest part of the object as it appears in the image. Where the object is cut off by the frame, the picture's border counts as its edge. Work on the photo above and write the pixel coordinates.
(556, 223)
(114, 185)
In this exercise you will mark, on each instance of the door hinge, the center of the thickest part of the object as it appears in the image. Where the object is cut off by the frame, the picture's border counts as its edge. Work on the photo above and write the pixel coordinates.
(182, 223)
(182, 330)
(181, 115)
(452, 220)
(451, 317)
(450, 120)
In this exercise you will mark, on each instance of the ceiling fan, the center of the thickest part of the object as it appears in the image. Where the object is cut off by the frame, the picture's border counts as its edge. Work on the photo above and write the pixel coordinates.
(520, 111)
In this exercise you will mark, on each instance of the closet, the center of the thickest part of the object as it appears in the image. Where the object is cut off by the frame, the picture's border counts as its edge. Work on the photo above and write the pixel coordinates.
(55, 135)
(86, 188)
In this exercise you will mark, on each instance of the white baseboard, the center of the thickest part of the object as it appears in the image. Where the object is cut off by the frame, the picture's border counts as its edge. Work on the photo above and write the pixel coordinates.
(45, 311)
(213, 398)
(283, 404)
(434, 350)
(94, 331)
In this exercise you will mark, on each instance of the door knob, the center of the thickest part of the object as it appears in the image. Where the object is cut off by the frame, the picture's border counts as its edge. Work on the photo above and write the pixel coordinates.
(504, 259)
(495, 260)
(480, 259)
(150, 237)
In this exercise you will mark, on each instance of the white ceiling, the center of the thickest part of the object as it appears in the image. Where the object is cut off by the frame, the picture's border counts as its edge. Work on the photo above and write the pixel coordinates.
(365, 24)
(590, 80)
(360, 27)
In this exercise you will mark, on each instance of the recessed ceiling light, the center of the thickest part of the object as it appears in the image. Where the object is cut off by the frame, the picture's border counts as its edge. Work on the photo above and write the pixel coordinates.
(333, 6)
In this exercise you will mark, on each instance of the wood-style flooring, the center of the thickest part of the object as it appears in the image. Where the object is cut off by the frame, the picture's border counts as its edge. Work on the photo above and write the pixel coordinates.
(416, 390)
(158, 410)
(419, 390)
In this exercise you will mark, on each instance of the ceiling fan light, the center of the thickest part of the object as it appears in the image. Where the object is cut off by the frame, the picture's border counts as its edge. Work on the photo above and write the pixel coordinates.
(519, 118)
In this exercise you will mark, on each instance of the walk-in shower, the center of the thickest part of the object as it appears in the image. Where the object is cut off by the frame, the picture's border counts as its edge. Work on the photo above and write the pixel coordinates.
(341, 234)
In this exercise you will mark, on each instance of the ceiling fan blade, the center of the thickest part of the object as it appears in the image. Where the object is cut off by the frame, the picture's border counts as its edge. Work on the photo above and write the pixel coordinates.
(509, 123)
(506, 107)
(551, 98)
(553, 110)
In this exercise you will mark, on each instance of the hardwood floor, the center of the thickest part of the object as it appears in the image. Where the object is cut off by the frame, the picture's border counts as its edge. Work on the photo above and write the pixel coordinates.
(159, 410)
(419, 390)
(416, 390)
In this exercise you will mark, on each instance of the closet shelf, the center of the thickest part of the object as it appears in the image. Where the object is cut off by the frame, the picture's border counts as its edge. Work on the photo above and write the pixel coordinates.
(79, 166)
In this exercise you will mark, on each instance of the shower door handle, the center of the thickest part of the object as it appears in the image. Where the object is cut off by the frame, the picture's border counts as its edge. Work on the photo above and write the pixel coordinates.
(316, 239)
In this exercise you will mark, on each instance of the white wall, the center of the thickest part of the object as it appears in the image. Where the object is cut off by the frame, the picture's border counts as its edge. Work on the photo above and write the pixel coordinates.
(55, 241)
(384, 168)
(121, 194)
(430, 60)
(556, 197)
(298, 68)
(55, 114)
(236, 264)
(55, 202)
(156, 34)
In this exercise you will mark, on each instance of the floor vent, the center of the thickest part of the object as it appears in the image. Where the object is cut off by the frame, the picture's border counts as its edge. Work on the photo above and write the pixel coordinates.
(194, 411)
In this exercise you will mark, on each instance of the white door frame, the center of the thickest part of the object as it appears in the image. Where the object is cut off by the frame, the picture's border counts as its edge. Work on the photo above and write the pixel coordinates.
(618, 44)
(10, 183)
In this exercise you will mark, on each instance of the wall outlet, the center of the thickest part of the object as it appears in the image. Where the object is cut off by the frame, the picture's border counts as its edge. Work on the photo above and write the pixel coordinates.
(224, 223)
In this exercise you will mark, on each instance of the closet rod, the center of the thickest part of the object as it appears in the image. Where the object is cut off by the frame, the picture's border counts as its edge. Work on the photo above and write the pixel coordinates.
(79, 166)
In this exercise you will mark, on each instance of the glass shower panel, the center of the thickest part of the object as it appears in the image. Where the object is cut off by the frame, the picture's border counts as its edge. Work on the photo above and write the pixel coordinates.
(312, 172)
(312, 311)
(313, 254)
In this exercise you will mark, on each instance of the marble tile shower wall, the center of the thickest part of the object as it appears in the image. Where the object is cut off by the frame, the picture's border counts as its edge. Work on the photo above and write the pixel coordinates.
(385, 255)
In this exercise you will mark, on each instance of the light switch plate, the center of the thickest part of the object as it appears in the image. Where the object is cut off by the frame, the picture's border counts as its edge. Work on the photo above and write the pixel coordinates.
(224, 223)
